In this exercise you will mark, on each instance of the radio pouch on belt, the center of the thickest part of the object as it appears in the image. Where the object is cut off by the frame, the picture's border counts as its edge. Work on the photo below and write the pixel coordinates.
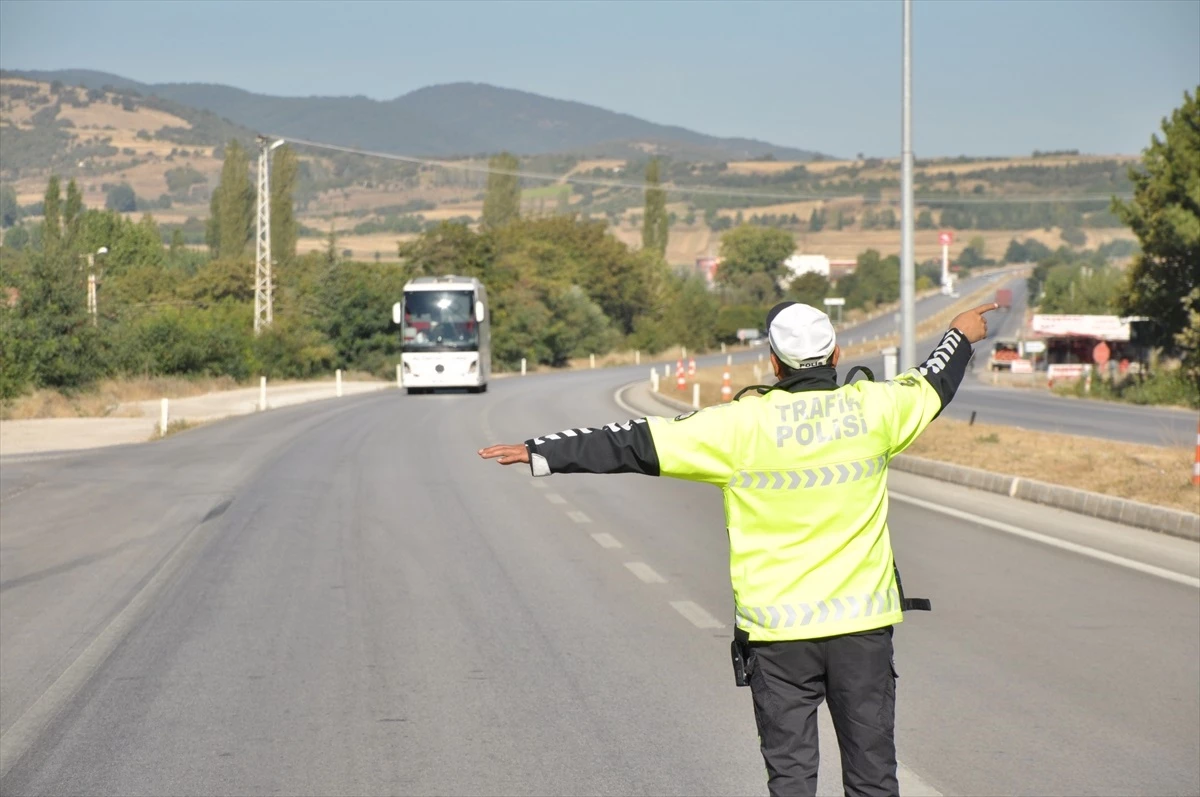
(739, 650)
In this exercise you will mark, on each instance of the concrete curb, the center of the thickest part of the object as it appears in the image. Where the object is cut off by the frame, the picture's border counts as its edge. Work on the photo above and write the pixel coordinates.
(1119, 510)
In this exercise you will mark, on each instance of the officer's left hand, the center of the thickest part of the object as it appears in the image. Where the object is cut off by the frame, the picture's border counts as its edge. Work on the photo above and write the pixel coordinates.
(508, 455)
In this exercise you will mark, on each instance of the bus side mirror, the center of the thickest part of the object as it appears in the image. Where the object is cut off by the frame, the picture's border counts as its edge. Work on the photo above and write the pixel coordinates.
(479, 312)
(396, 314)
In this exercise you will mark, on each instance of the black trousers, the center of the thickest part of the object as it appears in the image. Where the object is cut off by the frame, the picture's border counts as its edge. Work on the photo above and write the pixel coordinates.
(856, 674)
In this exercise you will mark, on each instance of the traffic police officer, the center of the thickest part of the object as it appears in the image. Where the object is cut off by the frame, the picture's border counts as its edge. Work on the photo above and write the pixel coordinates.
(803, 467)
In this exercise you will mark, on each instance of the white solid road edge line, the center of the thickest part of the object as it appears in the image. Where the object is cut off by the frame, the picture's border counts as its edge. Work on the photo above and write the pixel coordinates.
(16, 741)
(1066, 545)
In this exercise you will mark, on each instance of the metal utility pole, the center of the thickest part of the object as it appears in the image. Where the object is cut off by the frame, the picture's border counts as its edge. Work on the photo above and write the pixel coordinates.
(908, 325)
(91, 283)
(263, 297)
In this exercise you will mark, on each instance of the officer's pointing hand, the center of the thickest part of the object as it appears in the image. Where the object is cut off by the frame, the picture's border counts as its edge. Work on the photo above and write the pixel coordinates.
(508, 455)
(972, 323)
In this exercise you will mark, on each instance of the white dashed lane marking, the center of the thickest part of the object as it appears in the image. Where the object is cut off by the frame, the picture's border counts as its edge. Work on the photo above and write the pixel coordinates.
(645, 572)
(696, 614)
(555, 498)
(606, 540)
(578, 516)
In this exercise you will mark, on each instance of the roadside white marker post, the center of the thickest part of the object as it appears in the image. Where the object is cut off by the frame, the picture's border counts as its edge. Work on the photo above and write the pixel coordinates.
(683, 349)
(757, 373)
(637, 357)
(339, 382)
(522, 366)
(163, 420)
(722, 348)
(654, 380)
(760, 357)
(667, 371)
(592, 360)
(398, 382)
(262, 393)
(729, 360)
(889, 363)
(696, 395)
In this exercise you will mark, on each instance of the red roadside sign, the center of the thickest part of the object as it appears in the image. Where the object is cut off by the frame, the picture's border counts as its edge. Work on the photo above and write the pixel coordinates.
(945, 238)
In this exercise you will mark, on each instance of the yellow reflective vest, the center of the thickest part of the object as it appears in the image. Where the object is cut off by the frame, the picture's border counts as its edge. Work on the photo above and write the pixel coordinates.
(804, 477)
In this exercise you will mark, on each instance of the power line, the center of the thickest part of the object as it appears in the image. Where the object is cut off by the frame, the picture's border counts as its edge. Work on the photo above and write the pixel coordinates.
(704, 190)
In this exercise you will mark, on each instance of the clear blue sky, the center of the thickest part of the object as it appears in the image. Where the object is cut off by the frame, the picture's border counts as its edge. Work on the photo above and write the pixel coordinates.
(990, 77)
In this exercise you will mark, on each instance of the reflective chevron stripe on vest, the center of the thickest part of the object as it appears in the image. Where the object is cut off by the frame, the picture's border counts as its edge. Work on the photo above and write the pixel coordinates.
(792, 615)
(808, 478)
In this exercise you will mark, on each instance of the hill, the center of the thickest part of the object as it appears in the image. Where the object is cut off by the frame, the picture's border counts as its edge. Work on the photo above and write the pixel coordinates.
(447, 120)
(170, 154)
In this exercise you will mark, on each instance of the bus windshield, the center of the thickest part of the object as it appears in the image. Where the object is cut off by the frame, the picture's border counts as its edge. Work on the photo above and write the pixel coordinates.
(440, 321)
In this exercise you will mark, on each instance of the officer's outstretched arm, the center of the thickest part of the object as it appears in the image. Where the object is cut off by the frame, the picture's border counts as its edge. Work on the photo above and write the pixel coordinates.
(919, 394)
(697, 447)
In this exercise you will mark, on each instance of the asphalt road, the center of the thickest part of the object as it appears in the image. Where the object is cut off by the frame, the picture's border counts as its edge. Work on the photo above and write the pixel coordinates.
(340, 598)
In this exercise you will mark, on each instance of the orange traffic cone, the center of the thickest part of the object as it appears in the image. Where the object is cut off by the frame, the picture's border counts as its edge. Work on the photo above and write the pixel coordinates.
(726, 388)
(692, 368)
(1196, 467)
(680, 382)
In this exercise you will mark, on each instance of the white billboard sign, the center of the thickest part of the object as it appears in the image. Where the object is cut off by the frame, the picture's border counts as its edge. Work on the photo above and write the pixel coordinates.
(1103, 327)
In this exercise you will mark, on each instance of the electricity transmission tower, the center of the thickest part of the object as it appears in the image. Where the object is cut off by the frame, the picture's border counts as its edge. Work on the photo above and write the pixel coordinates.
(263, 299)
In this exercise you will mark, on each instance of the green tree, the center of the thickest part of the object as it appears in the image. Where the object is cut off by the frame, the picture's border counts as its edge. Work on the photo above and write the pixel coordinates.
(924, 220)
(502, 201)
(655, 224)
(121, 199)
(285, 170)
(1164, 279)
(52, 215)
(73, 212)
(10, 210)
(809, 288)
(17, 238)
(231, 221)
(747, 252)
(816, 221)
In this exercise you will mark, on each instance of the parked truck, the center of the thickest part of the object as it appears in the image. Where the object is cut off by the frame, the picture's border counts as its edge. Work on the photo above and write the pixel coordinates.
(1004, 298)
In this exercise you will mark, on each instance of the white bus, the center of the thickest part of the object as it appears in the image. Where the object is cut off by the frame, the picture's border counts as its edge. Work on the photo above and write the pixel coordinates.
(446, 334)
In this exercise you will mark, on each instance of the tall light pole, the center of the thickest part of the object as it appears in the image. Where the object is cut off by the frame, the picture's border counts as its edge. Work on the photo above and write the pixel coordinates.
(91, 284)
(263, 291)
(908, 325)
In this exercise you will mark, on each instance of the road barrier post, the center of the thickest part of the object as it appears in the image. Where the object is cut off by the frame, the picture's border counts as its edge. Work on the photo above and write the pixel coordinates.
(696, 395)
(164, 419)
(339, 383)
(522, 366)
(722, 348)
(666, 370)
(592, 360)
(1196, 467)
(637, 357)
(683, 352)
(654, 379)
(262, 393)
(889, 363)
(729, 361)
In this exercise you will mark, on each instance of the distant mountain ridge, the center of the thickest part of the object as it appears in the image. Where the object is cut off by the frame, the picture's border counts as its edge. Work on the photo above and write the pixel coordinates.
(443, 120)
